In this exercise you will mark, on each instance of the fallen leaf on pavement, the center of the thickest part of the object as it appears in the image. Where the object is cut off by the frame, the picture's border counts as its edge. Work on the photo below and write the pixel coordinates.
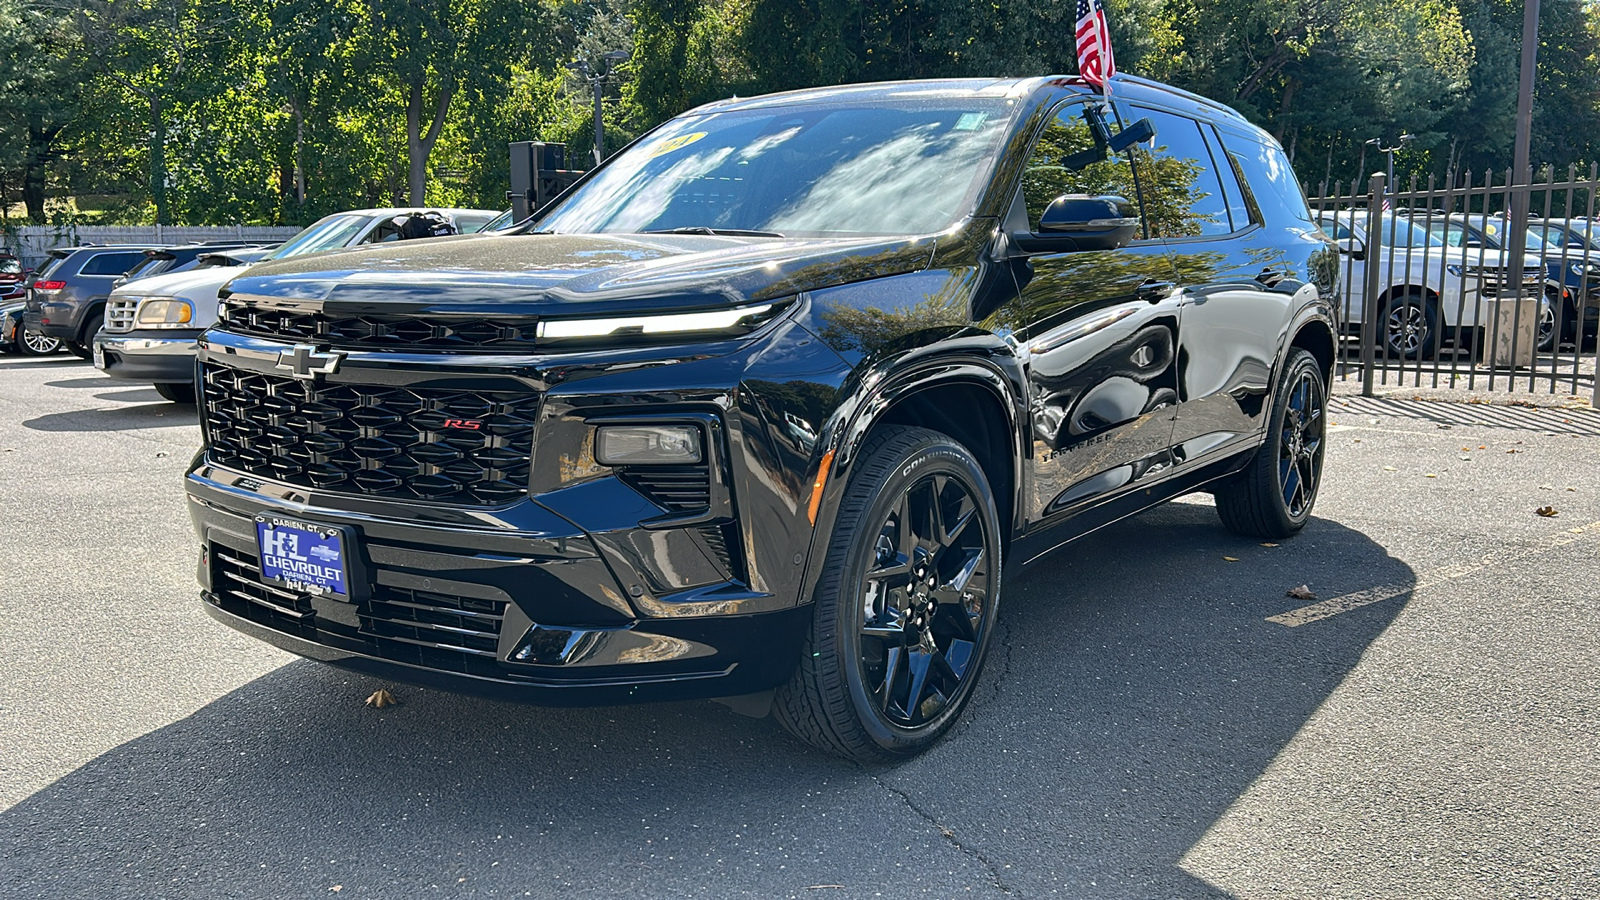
(1430, 475)
(1547, 511)
(1303, 592)
(1512, 450)
(1269, 545)
(1388, 468)
(1231, 558)
(381, 698)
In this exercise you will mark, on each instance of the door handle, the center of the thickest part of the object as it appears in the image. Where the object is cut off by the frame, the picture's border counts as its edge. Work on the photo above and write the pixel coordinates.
(1154, 291)
(1271, 277)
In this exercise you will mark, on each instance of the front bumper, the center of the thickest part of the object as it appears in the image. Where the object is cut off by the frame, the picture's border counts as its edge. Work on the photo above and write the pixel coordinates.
(149, 356)
(528, 612)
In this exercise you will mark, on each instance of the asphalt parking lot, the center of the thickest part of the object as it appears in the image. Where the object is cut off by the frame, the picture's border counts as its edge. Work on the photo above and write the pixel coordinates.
(1160, 721)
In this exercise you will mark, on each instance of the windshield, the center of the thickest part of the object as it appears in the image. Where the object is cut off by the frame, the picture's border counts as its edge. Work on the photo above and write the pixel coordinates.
(10, 266)
(330, 233)
(1399, 231)
(801, 171)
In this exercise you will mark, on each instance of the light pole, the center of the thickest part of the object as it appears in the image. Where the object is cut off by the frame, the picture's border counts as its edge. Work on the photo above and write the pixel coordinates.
(1388, 173)
(597, 80)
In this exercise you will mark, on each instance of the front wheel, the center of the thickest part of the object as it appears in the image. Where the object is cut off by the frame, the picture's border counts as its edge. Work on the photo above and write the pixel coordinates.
(906, 606)
(1273, 496)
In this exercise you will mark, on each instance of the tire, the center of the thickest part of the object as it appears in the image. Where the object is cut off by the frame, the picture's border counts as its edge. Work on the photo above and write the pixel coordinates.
(31, 343)
(1411, 326)
(176, 391)
(83, 347)
(1273, 496)
(905, 611)
(1554, 330)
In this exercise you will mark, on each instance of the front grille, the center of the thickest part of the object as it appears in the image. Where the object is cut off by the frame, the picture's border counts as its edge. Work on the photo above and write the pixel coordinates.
(679, 489)
(119, 314)
(440, 621)
(238, 576)
(420, 628)
(518, 334)
(468, 447)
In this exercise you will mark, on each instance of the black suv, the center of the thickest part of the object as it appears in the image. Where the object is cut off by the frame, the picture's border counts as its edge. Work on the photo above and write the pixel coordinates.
(759, 407)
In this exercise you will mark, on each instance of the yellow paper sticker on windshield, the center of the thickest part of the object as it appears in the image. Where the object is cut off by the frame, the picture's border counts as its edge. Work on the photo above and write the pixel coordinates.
(678, 143)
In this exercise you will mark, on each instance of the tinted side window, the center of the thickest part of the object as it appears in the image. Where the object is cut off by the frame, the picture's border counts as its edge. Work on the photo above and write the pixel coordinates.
(1182, 194)
(1063, 162)
(110, 263)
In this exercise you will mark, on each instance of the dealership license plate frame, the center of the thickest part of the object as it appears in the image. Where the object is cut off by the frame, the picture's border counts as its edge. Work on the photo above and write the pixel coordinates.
(323, 537)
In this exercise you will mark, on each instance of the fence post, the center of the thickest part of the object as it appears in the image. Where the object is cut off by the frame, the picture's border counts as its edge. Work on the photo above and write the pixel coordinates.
(1371, 315)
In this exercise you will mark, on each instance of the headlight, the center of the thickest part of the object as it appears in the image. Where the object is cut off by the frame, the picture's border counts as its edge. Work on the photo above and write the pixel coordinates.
(1579, 268)
(718, 322)
(164, 313)
(633, 445)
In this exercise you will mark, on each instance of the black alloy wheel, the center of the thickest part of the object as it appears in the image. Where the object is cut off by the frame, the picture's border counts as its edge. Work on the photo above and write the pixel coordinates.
(906, 606)
(84, 347)
(1410, 330)
(31, 343)
(1273, 496)
(922, 612)
(1556, 319)
(1300, 445)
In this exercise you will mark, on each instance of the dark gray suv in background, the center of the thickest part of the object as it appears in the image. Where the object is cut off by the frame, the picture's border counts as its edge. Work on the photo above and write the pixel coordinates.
(67, 299)
(766, 404)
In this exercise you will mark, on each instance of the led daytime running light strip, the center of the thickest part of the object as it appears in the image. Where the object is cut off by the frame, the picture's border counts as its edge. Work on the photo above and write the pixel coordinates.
(666, 324)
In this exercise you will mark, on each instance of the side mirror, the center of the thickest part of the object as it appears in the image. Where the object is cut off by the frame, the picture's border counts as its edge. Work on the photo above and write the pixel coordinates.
(1078, 222)
(1353, 248)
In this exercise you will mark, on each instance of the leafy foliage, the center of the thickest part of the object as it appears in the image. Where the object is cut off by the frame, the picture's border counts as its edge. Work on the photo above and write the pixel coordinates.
(284, 110)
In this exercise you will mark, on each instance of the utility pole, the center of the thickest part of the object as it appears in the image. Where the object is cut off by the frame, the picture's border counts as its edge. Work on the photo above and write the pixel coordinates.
(597, 75)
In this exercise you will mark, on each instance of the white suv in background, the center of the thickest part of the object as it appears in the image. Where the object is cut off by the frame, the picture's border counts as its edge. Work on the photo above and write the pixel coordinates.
(1428, 293)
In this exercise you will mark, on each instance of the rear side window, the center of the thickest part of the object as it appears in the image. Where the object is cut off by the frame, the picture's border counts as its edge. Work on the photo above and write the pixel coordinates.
(110, 264)
(1178, 179)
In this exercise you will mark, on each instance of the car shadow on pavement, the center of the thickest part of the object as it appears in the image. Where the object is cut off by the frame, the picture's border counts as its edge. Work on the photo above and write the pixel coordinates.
(156, 414)
(94, 381)
(41, 362)
(1137, 691)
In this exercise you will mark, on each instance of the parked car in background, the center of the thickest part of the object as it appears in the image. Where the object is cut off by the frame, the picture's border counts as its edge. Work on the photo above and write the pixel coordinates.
(1428, 293)
(759, 407)
(160, 261)
(67, 298)
(11, 276)
(1572, 274)
(152, 323)
(15, 338)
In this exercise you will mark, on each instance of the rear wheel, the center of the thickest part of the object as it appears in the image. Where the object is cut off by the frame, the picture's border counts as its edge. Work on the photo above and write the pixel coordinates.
(176, 391)
(1556, 320)
(83, 348)
(1273, 496)
(30, 343)
(906, 606)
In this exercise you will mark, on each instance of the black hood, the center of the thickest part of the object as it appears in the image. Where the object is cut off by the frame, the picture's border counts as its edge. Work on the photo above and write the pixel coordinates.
(560, 274)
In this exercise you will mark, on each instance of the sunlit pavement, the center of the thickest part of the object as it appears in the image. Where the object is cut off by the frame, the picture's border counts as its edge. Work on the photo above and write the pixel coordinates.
(1149, 726)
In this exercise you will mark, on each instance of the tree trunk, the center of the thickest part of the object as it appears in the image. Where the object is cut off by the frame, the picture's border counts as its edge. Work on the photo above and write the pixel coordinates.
(299, 156)
(418, 144)
(158, 160)
(33, 172)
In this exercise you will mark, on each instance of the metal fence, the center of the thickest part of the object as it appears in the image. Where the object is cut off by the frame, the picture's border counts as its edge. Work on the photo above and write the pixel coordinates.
(30, 242)
(1428, 298)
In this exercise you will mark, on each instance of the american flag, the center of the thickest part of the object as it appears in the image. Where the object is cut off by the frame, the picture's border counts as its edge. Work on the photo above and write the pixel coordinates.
(1095, 62)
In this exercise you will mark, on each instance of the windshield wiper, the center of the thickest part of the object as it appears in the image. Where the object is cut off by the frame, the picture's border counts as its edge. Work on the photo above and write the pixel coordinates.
(705, 229)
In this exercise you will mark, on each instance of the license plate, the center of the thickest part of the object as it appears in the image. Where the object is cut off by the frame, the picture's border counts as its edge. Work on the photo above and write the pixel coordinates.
(303, 557)
(99, 357)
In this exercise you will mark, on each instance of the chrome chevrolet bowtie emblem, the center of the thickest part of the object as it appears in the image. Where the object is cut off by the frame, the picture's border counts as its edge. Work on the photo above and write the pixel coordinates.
(305, 363)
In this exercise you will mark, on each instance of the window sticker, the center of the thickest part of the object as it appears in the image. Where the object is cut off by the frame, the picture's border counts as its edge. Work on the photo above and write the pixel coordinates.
(677, 143)
(970, 121)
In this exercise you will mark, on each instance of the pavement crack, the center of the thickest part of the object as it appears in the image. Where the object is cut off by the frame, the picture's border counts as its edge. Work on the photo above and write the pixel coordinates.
(945, 832)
